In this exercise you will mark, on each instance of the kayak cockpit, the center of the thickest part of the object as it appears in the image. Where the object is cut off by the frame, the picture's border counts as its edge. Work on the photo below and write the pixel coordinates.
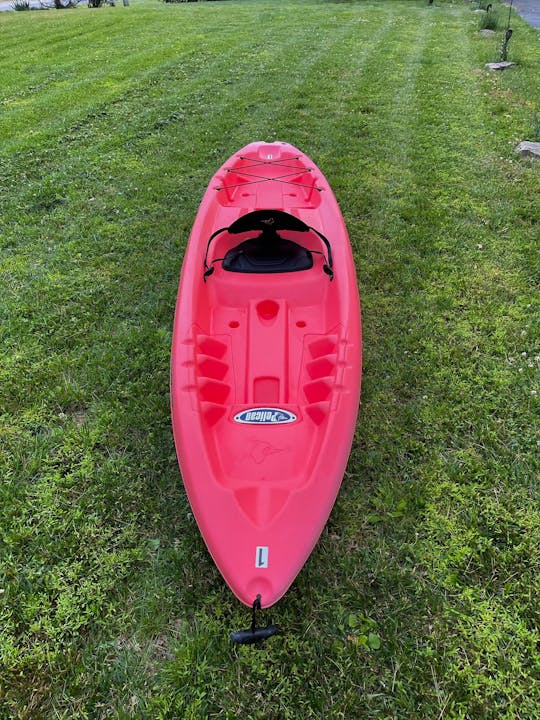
(272, 241)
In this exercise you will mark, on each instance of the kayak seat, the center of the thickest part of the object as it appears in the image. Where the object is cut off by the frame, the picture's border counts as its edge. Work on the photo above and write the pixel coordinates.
(267, 254)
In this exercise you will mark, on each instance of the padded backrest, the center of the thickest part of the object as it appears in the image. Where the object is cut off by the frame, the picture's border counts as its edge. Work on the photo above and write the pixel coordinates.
(267, 220)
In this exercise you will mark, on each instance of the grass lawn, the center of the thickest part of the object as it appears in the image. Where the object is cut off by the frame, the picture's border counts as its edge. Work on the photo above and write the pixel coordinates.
(421, 599)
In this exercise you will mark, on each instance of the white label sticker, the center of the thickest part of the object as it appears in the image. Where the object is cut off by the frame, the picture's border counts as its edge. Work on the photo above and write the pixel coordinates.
(261, 557)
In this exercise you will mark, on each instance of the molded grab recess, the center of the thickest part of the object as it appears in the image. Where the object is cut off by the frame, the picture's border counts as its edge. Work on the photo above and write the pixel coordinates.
(267, 309)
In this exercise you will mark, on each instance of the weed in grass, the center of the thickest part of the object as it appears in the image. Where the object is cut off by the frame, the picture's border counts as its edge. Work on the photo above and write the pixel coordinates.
(535, 128)
(506, 41)
(490, 20)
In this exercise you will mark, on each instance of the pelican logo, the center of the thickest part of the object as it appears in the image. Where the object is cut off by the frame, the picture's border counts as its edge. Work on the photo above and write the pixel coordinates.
(265, 416)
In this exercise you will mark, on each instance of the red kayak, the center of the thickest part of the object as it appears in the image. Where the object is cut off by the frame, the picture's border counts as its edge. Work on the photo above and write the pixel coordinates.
(266, 366)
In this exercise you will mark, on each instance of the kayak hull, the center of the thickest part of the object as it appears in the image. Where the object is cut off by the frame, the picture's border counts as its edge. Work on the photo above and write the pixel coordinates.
(265, 366)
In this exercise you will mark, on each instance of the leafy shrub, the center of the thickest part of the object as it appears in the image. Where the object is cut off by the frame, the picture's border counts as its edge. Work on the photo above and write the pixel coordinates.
(21, 5)
(490, 20)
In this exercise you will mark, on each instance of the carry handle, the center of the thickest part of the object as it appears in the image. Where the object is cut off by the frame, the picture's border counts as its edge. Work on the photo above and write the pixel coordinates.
(255, 634)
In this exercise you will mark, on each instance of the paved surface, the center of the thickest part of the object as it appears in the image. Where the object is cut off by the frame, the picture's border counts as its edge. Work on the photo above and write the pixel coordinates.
(8, 4)
(529, 11)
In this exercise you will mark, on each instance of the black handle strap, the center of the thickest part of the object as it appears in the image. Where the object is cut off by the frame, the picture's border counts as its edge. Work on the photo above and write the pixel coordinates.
(329, 265)
(209, 269)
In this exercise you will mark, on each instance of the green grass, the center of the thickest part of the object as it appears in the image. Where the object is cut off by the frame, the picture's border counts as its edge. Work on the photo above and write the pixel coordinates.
(421, 598)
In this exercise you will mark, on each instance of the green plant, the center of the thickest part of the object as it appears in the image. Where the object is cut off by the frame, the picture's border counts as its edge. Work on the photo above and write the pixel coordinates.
(536, 127)
(490, 20)
(21, 5)
(504, 47)
(100, 3)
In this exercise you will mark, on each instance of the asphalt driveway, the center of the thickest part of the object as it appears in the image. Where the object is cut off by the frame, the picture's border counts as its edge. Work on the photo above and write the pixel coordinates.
(8, 4)
(529, 11)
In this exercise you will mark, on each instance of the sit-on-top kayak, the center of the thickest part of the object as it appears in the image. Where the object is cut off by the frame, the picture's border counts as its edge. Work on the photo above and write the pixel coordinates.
(266, 366)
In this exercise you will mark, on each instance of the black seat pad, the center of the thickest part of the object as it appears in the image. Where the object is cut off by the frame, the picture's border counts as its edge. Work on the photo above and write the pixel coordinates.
(267, 254)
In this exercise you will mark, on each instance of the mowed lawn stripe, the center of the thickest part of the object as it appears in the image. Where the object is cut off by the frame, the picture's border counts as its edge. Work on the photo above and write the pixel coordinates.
(419, 599)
